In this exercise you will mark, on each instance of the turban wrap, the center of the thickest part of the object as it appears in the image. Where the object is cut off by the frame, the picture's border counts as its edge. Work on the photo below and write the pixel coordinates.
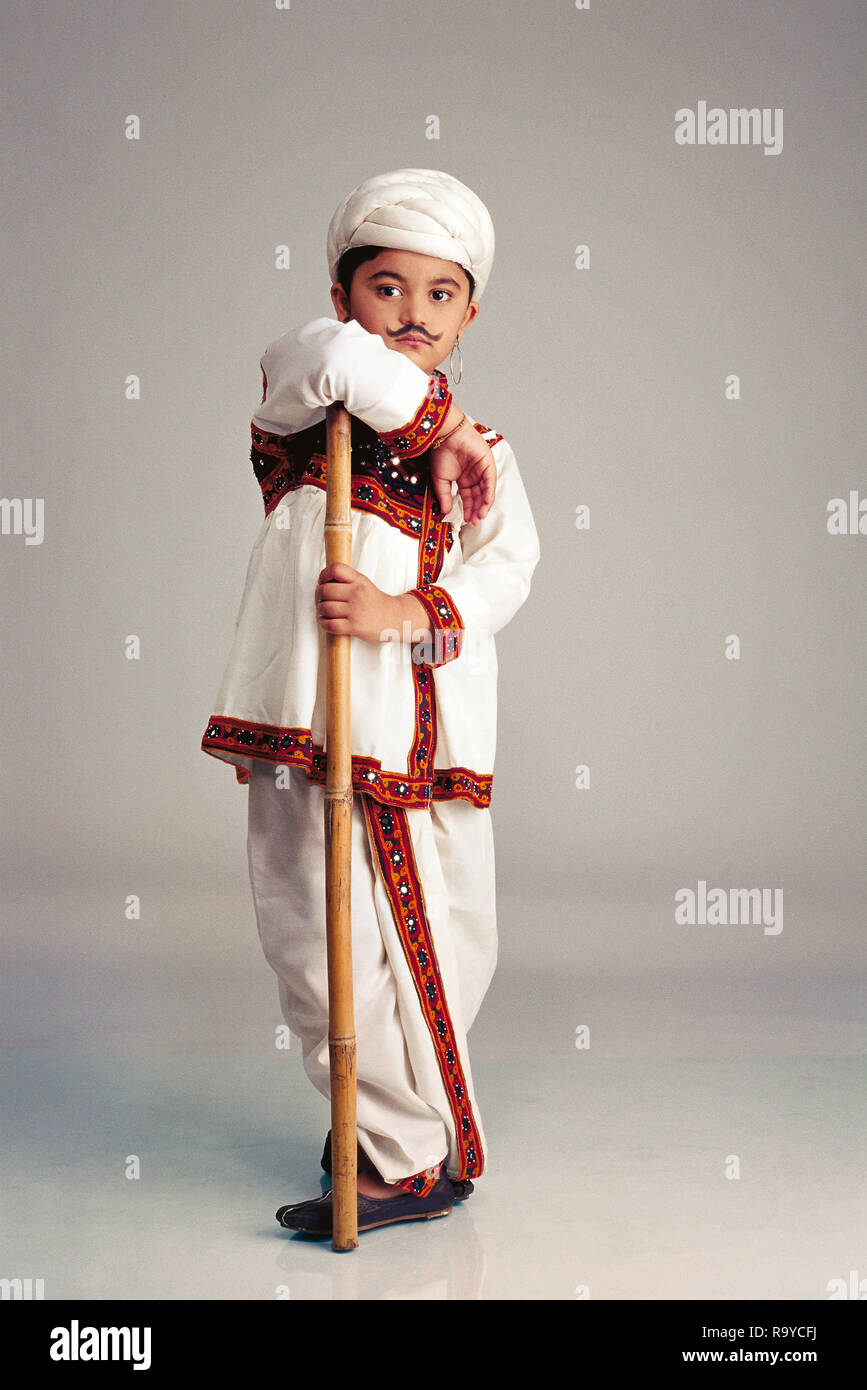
(420, 210)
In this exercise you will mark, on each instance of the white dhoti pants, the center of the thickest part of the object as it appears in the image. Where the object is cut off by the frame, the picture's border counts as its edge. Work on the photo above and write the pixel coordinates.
(424, 947)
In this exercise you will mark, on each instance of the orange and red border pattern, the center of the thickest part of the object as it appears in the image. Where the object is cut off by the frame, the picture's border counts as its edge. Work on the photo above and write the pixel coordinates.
(417, 436)
(447, 625)
(392, 841)
(295, 747)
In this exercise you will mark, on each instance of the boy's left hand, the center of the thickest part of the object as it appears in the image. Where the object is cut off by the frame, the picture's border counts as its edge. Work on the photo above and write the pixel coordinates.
(467, 459)
(347, 602)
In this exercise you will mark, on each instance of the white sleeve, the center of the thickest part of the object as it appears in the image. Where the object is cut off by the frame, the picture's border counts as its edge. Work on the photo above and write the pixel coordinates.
(499, 556)
(325, 360)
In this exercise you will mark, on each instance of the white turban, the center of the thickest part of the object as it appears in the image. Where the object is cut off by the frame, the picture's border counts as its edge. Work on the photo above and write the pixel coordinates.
(416, 210)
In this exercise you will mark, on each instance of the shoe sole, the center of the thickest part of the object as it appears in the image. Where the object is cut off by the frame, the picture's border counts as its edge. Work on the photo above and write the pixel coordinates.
(392, 1220)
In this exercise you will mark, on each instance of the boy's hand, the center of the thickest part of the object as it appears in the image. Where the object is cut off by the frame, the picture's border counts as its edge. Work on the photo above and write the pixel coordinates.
(466, 458)
(348, 602)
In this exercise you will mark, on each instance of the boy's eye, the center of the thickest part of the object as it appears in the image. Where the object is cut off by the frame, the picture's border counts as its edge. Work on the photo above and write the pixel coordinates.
(385, 290)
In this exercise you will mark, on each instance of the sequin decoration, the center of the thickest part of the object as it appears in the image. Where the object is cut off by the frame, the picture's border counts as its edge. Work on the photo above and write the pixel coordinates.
(381, 483)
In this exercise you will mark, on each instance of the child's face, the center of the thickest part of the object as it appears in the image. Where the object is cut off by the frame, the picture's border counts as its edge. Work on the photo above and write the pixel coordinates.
(417, 304)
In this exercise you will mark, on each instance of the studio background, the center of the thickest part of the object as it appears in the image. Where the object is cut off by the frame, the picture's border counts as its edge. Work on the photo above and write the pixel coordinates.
(155, 257)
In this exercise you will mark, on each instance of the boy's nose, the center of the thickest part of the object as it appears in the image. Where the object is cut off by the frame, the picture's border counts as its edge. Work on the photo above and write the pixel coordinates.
(413, 311)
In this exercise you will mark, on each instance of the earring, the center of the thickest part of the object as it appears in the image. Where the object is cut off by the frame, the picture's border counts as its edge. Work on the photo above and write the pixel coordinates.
(456, 379)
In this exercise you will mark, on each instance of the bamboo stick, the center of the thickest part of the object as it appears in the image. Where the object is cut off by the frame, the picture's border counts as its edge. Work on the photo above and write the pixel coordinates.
(338, 852)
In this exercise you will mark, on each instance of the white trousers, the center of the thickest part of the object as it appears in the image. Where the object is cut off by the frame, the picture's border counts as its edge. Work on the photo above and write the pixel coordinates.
(424, 946)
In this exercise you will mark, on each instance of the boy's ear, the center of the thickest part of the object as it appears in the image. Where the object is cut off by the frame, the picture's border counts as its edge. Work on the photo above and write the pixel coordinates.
(472, 310)
(340, 301)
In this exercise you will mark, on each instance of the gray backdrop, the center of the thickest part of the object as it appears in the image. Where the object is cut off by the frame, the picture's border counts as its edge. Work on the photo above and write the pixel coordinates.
(708, 515)
(155, 257)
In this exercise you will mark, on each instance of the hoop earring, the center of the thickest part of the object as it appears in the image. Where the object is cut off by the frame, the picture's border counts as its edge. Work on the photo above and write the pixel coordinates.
(456, 379)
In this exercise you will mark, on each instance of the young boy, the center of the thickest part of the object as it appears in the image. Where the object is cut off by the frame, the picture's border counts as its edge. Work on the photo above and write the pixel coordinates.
(433, 578)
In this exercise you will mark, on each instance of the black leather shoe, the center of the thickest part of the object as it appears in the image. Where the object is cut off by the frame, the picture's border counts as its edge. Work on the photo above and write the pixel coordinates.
(315, 1218)
(461, 1188)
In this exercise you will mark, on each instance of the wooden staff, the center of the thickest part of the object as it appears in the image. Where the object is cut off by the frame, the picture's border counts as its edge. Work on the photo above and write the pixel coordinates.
(338, 851)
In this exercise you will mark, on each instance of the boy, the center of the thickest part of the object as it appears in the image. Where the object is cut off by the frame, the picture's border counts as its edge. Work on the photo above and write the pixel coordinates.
(432, 579)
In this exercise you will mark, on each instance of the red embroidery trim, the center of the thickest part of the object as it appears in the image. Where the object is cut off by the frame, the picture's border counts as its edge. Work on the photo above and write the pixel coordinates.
(295, 747)
(420, 1184)
(447, 625)
(427, 422)
(395, 856)
(483, 429)
(366, 494)
(435, 537)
